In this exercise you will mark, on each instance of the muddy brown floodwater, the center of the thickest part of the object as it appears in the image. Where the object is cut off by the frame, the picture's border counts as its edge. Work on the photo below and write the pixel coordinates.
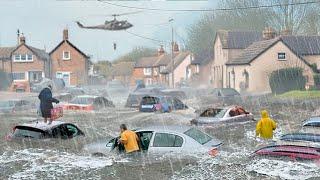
(65, 159)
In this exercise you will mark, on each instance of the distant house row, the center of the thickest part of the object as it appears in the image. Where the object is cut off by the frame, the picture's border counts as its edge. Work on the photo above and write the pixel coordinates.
(29, 64)
(242, 60)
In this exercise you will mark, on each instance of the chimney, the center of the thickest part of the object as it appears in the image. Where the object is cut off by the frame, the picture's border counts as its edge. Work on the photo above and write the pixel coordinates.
(286, 32)
(22, 39)
(65, 34)
(175, 47)
(161, 50)
(268, 33)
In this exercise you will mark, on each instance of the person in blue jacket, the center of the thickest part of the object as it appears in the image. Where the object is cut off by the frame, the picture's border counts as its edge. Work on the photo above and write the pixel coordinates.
(46, 101)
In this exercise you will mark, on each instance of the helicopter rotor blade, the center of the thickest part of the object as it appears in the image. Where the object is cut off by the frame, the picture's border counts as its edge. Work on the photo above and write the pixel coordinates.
(116, 15)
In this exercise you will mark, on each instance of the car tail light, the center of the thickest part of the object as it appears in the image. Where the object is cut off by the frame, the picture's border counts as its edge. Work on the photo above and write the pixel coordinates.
(213, 152)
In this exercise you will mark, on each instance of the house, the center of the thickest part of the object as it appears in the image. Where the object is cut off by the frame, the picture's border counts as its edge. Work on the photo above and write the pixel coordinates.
(200, 69)
(247, 69)
(24, 62)
(122, 71)
(69, 62)
(158, 69)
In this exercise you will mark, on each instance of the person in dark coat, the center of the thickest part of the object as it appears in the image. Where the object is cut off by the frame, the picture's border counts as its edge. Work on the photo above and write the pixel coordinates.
(46, 101)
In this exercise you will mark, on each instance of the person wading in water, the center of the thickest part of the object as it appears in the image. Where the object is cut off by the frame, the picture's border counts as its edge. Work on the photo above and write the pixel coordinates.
(46, 101)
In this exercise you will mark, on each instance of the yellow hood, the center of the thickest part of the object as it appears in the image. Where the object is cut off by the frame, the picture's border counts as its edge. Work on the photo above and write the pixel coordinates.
(264, 114)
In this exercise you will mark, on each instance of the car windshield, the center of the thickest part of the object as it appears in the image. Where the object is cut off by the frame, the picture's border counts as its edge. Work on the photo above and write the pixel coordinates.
(229, 92)
(82, 100)
(27, 132)
(150, 100)
(6, 104)
(198, 135)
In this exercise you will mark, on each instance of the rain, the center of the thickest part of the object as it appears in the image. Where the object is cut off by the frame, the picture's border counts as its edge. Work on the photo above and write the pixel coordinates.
(175, 90)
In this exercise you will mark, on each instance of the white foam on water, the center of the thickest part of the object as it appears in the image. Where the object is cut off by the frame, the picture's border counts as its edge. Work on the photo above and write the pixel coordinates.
(285, 169)
(51, 163)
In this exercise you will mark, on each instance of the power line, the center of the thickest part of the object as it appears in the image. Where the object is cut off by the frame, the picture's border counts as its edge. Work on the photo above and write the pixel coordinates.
(144, 37)
(212, 10)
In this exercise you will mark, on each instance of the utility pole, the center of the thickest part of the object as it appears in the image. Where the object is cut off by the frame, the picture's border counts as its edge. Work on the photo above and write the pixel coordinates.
(172, 59)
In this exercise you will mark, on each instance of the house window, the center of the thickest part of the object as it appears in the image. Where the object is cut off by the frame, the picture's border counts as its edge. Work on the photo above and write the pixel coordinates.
(18, 76)
(29, 57)
(66, 55)
(162, 68)
(147, 71)
(281, 56)
(22, 58)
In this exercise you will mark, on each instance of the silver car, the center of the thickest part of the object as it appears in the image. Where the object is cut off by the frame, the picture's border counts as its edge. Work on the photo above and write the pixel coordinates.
(163, 140)
(220, 115)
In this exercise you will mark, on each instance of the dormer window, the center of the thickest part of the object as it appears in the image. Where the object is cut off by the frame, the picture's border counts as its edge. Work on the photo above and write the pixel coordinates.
(23, 58)
(66, 55)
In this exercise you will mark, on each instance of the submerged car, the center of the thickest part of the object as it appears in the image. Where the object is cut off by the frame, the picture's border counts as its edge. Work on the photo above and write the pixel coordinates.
(174, 93)
(163, 140)
(311, 125)
(135, 98)
(161, 104)
(224, 95)
(232, 114)
(292, 151)
(41, 130)
(88, 103)
(11, 106)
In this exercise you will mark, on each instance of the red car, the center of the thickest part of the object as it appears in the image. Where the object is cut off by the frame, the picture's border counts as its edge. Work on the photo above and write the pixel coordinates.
(88, 103)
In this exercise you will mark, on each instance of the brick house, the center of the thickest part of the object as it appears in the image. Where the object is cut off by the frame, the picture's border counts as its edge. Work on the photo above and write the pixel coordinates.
(248, 69)
(69, 62)
(122, 71)
(200, 72)
(158, 69)
(25, 63)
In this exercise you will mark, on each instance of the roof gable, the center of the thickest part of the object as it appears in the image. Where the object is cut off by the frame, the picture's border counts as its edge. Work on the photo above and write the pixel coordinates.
(73, 46)
(40, 53)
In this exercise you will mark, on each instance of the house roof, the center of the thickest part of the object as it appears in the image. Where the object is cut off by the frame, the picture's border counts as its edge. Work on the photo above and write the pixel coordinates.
(253, 51)
(67, 41)
(6, 52)
(303, 45)
(122, 69)
(238, 39)
(178, 59)
(154, 61)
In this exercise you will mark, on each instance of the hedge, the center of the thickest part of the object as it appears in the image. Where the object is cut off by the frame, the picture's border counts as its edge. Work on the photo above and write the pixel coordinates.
(288, 79)
(4, 80)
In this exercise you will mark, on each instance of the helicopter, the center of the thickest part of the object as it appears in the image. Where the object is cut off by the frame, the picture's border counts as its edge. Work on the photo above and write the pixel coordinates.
(113, 25)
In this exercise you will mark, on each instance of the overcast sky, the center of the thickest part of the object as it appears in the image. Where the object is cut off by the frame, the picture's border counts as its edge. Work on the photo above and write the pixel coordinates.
(42, 22)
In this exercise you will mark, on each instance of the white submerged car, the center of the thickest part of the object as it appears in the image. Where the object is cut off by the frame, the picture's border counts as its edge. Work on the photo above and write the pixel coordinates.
(182, 140)
(222, 115)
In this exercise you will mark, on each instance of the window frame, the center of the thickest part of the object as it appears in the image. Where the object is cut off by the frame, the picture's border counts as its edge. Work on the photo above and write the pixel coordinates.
(282, 56)
(147, 71)
(175, 137)
(24, 76)
(16, 59)
(64, 57)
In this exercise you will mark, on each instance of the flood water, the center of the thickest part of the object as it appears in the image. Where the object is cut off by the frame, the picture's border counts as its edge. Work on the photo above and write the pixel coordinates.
(65, 159)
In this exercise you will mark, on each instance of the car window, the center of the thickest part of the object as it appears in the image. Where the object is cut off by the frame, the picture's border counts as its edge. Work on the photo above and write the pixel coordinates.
(313, 124)
(28, 132)
(145, 138)
(150, 100)
(211, 112)
(167, 140)
(198, 135)
(72, 131)
(59, 132)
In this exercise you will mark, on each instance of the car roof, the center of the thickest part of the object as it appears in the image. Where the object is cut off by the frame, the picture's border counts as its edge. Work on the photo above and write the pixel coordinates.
(175, 129)
(315, 119)
(41, 125)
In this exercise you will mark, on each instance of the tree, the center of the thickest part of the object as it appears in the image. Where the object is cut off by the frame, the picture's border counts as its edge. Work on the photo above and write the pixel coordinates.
(136, 54)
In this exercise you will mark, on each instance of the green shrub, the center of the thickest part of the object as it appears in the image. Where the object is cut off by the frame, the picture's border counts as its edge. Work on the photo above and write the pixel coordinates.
(316, 78)
(287, 79)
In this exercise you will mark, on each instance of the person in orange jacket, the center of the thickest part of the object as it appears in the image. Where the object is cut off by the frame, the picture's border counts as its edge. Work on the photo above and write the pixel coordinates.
(265, 126)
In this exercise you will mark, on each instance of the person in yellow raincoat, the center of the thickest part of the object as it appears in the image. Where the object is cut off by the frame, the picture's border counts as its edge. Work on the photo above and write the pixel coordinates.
(265, 126)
